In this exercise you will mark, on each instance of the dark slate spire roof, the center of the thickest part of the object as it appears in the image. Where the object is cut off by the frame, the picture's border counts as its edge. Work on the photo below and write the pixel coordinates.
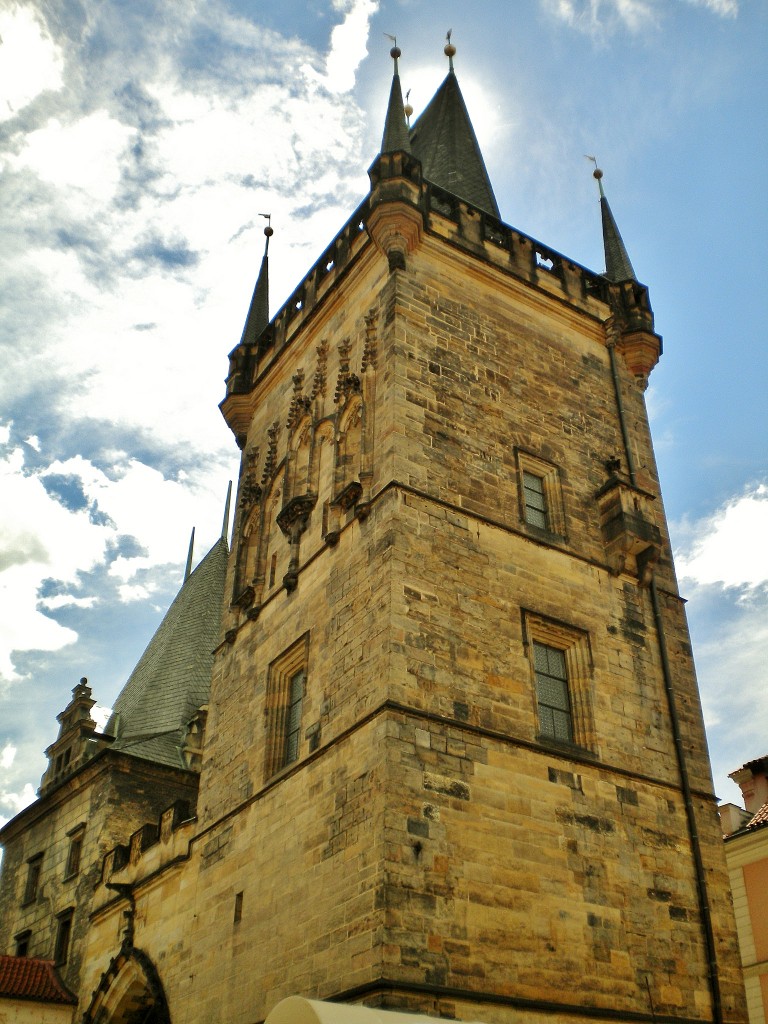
(395, 136)
(444, 140)
(617, 263)
(172, 679)
(258, 312)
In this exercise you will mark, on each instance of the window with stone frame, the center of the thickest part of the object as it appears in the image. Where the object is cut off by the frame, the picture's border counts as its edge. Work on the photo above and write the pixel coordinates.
(541, 496)
(286, 690)
(561, 667)
(75, 851)
(63, 936)
(22, 941)
(34, 868)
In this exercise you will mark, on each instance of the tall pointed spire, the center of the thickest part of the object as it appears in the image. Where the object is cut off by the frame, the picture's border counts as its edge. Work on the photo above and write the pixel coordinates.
(258, 312)
(444, 140)
(395, 136)
(617, 263)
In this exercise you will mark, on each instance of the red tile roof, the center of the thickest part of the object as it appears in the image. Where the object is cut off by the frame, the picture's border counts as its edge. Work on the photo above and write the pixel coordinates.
(25, 977)
(760, 818)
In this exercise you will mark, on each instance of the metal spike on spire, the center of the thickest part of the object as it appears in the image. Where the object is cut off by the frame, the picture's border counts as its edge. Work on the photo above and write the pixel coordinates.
(395, 137)
(188, 570)
(225, 524)
(618, 266)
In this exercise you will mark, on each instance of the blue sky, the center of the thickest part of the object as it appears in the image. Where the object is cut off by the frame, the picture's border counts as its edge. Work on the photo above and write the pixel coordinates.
(139, 141)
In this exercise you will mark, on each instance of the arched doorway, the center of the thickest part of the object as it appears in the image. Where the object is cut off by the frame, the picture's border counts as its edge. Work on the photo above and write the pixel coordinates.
(129, 992)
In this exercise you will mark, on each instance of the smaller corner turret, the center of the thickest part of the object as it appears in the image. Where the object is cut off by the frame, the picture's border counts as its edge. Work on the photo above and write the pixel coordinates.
(634, 333)
(395, 221)
(78, 739)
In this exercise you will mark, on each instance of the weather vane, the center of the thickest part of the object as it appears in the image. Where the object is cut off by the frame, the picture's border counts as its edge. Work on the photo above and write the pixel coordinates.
(597, 174)
(268, 229)
(449, 49)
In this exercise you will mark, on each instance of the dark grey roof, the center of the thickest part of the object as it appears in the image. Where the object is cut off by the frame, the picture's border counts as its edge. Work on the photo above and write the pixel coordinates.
(395, 135)
(444, 141)
(172, 678)
(617, 263)
(258, 311)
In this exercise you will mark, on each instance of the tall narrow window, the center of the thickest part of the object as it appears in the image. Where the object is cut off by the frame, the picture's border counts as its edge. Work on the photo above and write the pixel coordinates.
(63, 935)
(535, 502)
(555, 718)
(73, 856)
(286, 692)
(293, 717)
(562, 681)
(34, 867)
(22, 941)
(540, 494)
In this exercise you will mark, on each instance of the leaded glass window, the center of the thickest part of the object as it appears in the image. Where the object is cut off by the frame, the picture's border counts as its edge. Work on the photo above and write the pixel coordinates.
(535, 501)
(552, 693)
(293, 717)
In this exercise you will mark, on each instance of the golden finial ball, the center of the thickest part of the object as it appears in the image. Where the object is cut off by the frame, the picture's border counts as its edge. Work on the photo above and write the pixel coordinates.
(449, 50)
(408, 109)
(395, 52)
(268, 232)
(597, 173)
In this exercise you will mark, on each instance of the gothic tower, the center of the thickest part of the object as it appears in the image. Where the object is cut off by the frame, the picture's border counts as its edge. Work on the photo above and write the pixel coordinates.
(454, 758)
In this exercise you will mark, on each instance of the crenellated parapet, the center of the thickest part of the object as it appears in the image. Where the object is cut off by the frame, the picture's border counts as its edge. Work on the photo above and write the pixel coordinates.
(419, 206)
(150, 847)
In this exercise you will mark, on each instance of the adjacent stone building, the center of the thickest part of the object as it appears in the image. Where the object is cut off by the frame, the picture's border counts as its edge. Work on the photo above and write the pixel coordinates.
(453, 758)
(746, 853)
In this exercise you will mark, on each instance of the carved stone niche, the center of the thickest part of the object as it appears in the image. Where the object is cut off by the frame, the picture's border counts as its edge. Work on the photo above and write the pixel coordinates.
(293, 518)
(349, 496)
(245, 598)
(632, 540)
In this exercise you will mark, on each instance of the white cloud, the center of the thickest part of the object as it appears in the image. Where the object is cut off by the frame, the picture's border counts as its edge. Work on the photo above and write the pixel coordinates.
(101, 716)
(66, 601)
(348, 43)
(7, 755)
(725, 8)
(30, 61)
(17, 801)
(41, 539)
(729, 546)
(83, 156)
(598, 17)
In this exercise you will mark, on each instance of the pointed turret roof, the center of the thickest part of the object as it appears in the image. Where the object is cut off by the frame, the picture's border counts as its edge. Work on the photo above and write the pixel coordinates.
(258, 311)
(617, 263)
(172, 678)
(444, 140)
(395, 135)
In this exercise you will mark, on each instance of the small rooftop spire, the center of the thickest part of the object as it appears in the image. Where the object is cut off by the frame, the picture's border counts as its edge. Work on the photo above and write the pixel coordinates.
(188, 569)
(618, 266)
(449, 50)
(258, 312)
(225, 524)
(395, 137)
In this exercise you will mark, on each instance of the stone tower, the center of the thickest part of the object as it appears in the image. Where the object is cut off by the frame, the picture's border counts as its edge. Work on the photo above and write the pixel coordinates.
(454, 759)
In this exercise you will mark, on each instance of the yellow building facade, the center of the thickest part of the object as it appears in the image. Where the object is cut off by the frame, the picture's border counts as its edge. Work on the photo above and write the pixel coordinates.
(453, 759)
